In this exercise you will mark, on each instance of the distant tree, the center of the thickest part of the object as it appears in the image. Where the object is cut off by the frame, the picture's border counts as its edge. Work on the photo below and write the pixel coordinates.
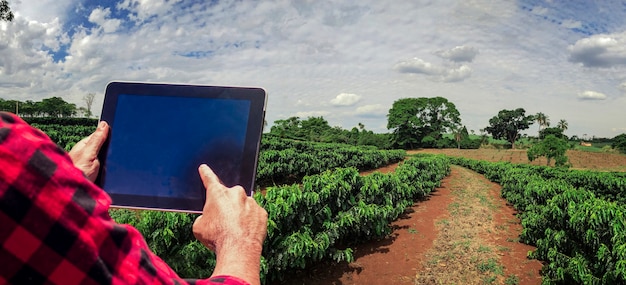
(619, 143)
(550, 147)
(460, 134)
(88, 99)
(557, 132)
(508, 124)
(57, 107)
(9, 105)
(419, 121)
(562, 125)
(316, 129)
(28, 109)
(5, 11)
(542, 120)
(288, 128)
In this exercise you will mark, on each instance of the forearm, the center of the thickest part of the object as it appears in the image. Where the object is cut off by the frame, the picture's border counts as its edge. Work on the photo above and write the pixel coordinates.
(239, 260)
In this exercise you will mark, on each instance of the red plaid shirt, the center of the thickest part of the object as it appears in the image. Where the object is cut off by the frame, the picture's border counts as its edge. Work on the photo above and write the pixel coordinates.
(55, 226)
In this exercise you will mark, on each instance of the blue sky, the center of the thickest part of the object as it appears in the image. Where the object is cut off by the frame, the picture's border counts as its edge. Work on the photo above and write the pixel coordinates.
(347, 61)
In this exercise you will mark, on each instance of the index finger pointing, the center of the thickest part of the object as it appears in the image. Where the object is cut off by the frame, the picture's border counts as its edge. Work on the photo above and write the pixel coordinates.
(208, 176)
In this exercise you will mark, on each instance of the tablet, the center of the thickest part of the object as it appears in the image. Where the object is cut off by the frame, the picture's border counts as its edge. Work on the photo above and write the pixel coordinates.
(161, 133)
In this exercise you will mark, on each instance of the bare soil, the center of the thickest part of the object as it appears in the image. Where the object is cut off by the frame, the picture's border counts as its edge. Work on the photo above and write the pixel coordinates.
(579, 159)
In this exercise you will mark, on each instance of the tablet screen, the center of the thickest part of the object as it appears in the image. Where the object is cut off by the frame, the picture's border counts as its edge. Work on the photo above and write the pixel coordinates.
(158, 140)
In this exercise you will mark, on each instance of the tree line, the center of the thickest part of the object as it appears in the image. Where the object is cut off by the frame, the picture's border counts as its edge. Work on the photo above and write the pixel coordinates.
(49, 107)
(317, 129)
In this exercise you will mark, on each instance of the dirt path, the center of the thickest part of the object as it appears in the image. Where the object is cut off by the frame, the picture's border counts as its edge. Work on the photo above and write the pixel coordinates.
(477, 241)
(462, 234)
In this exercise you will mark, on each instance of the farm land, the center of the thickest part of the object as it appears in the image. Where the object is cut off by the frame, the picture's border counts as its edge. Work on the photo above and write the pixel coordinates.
(427, 216)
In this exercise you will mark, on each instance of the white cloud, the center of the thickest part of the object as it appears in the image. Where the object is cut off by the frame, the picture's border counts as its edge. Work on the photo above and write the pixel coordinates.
(417, 65)
(600, 50)
(303, 50)
(571, 24)
(591, 95)
(459, 54)
(143, 10)
(371, 110)
(439, 73)
(42, 11)
(306, 114)
(345, 99)
(99, 16)
(457, 74)
(622, 86)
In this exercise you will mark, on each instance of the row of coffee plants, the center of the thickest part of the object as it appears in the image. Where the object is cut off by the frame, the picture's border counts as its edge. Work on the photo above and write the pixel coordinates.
(66, 136)
(330, 211)
(281, 161)
(285, 160)
(316, 220)
(576, 219)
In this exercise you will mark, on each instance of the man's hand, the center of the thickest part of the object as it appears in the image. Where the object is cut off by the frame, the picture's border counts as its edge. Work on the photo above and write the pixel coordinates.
(234, 226)
(85, 153)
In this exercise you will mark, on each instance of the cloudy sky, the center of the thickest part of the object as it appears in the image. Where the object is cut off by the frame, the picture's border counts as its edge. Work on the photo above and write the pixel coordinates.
(347, 61)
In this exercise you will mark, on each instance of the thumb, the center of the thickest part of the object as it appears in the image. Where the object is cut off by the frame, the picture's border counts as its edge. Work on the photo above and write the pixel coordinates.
(97, 139)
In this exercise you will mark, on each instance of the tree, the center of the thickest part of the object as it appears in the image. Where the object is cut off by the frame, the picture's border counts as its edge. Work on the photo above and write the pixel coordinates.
(542, 120)
(508, 124)
(619, 143)
(57, 107)
(5, 11)
(557, 132)
(460, 134)
(415, 121)
(562, 125)
(88, 99)
(550, 147)
(288, 128)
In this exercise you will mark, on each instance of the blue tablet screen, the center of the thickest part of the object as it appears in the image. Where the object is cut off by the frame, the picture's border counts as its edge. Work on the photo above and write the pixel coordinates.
(158, 142)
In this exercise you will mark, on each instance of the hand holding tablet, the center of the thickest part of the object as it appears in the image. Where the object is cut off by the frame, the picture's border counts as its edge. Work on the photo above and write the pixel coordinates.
(161, 133)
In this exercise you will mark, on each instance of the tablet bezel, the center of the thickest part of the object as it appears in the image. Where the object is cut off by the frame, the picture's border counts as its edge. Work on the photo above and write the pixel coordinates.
(257, 98)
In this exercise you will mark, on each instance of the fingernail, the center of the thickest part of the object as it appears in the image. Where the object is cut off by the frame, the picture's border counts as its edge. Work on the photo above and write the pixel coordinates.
(101, 125)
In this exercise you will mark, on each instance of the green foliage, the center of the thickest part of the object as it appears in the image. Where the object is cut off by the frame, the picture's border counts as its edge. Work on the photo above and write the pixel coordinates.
(419, 121)
(330, 211)
(317, 129)
(5, 11)
(87, 122)
(65, 136)
(508, 124)
(576, 219)
(169, 236)
(552, 148)
(286, 161)
(49, 107)
(619, 143)
(557, 132)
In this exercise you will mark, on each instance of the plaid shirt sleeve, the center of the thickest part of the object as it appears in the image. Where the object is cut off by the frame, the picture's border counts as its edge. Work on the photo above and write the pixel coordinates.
(55, 226)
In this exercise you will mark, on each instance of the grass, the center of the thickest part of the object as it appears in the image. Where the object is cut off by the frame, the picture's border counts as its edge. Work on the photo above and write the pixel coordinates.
(511, 280)
(491, 265)
(459, 254)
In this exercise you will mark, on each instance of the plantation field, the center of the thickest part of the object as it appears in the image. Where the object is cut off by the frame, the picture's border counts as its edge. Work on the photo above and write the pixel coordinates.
(579, 159)
(344, 214)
